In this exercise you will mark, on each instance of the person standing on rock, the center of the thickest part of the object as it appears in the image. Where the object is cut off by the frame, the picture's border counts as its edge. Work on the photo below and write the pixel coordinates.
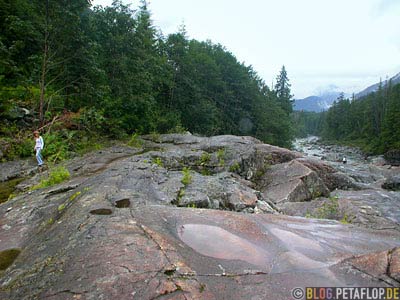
(39, 144)
(344, 160)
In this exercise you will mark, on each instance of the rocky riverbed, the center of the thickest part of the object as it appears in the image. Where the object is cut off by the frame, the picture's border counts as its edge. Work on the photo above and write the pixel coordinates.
(188, 217)
(372, 195)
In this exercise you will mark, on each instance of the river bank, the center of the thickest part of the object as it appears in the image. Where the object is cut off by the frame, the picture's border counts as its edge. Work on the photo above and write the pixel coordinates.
(372, 197)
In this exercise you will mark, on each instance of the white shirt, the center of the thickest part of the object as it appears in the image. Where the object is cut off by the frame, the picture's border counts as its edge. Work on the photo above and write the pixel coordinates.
(39, 143)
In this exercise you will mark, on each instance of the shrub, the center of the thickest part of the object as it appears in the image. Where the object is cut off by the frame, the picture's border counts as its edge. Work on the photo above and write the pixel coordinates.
(56, 176)
(56, 146)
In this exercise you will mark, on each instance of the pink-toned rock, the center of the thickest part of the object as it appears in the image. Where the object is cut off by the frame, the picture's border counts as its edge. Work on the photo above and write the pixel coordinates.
(292, 182)
(111, 231)
(394, 265)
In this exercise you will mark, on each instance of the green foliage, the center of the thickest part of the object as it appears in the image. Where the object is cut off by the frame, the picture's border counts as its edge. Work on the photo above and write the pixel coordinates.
(74, 196)
(235, 167)
(155, 137)
(57, 145)
(221, 156)
(346, 219)
(158, 162)
(82, 144)
(371, 123)
(282, 90)
(56, 176)
(187, 177)
(7, 189)
(205, 158)
(181, 193)
(62, 144)
(113, 70)
(17, 145)
(61, 207)
(177, 129)
(329, 210)
(92, 119)
(205, 172)
(24, 148)
(135, 141)
(307, 123)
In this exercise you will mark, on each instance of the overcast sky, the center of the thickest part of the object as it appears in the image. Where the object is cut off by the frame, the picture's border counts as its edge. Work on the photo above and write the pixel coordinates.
(324, 44)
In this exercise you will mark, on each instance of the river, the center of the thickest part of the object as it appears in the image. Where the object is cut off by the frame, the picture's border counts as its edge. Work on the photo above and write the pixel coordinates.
(368, 203)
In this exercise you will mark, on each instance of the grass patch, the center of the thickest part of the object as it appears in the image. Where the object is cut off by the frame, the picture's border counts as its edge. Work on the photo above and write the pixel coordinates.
(205, 172)
(73, 197)
(328, 210)
(204, 158)
(187, 177)
(61, 207)
(346, 219)
(221, 157)
(56, 176)
(158, 162)
(234, 168)
(135, 141)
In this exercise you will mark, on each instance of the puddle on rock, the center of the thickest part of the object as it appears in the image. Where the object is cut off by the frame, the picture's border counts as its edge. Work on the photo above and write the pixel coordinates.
(7, 257)
(216, 242)
(101, 211)
(295, 241)
(7, 187)
(123, 203)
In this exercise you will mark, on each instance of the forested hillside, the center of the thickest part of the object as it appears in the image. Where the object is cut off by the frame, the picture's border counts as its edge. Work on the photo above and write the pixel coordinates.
(78, 72)
(371, 122)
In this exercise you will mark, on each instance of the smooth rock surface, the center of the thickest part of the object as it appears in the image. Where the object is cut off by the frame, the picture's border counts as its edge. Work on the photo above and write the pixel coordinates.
(114, 230)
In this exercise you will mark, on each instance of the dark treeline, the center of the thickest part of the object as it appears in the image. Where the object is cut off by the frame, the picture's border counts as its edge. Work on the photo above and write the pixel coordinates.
(308, 123)
(109, 71)
(371, 122)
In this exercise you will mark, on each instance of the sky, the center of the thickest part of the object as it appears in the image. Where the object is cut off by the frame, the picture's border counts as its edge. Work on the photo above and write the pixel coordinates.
(325, 45)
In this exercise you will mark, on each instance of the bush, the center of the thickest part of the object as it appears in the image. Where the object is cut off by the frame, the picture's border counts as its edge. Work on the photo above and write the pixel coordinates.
(25, 148)
(56, 147)
(91, 119)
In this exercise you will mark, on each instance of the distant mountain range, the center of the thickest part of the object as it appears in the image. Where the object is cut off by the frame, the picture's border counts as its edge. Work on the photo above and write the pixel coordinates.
(316, 103)
(373, 88)
(325, 100)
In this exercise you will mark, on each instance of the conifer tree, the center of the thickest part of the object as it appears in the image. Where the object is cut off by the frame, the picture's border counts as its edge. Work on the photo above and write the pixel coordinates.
(282, 90)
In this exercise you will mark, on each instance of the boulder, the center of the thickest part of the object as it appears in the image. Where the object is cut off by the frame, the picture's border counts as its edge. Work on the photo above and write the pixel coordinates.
(393, 157)
(218, 191)
(332, 178)
(392, 183)
(384, 265)
(291, 182)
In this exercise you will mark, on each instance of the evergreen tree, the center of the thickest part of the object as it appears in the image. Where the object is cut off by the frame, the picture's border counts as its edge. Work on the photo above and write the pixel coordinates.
(282, 90)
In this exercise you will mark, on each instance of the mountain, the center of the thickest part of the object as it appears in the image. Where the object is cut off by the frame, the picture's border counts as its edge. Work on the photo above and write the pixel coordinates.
(373, 88)
(325, 99)
(316, 103)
